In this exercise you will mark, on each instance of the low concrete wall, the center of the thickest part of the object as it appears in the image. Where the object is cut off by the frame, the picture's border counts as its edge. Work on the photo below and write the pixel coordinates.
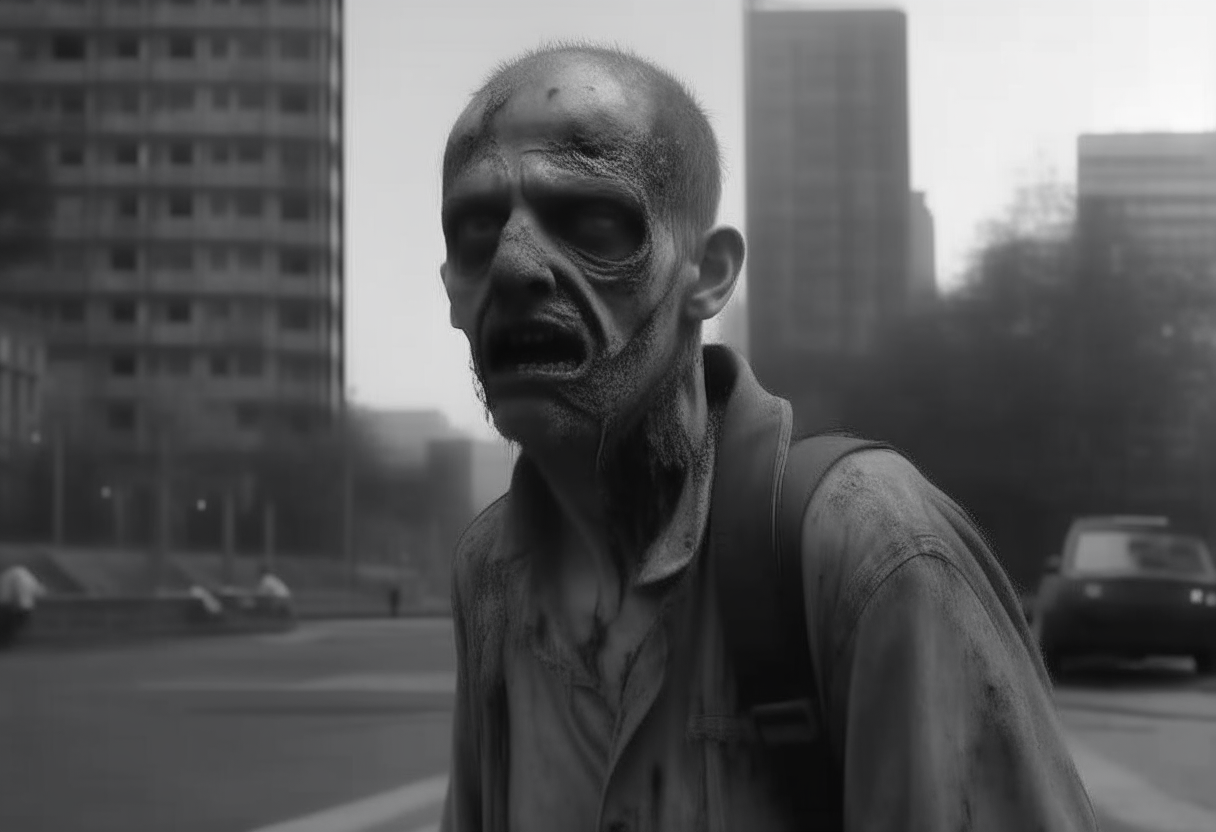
(88, 620)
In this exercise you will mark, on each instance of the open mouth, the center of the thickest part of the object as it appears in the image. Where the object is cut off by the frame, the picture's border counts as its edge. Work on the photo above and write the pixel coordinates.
(535, 348)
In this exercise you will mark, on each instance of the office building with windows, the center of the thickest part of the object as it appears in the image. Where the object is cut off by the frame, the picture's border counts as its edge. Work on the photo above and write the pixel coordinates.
(194, 153)
(1151, 196)
(827, 188)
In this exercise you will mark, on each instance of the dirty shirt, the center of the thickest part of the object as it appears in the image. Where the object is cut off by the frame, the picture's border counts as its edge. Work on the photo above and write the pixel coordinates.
(937, 711)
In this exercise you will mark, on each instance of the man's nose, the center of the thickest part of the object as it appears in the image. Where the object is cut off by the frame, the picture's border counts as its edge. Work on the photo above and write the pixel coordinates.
(520, 271)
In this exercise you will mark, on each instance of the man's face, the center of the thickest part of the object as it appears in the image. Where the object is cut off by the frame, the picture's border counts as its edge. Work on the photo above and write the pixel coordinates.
(560, 270)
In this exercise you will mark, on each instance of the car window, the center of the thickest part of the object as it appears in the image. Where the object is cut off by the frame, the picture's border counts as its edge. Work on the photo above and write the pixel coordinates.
(1125, 552)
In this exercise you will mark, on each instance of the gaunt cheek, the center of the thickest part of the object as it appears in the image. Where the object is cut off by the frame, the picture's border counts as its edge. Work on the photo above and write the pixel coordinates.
(463, 298)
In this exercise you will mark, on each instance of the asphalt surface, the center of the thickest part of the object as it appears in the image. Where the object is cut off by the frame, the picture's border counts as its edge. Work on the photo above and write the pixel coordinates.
(263, 733)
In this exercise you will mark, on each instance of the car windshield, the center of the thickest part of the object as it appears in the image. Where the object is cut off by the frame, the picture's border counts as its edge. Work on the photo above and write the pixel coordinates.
(1123, 552)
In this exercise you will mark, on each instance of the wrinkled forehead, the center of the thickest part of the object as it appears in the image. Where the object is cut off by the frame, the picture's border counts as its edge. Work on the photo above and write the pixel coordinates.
(577, 115)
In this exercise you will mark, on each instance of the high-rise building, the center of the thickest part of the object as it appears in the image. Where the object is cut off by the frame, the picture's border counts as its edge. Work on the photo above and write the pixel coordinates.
(1152, 196)
(922, 286)
(827, 187)
(194, 152)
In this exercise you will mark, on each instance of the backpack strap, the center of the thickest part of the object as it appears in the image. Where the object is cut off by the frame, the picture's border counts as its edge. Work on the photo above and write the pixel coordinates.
(781, 696)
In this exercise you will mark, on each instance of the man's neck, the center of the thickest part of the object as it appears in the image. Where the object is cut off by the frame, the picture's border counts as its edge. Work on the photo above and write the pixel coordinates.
(614, 497)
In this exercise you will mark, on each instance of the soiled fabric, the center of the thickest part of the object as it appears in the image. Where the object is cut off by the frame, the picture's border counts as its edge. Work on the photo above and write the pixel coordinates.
(937, 712)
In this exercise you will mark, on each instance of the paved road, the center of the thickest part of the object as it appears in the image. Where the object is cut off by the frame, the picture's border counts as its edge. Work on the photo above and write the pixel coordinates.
(343, 727)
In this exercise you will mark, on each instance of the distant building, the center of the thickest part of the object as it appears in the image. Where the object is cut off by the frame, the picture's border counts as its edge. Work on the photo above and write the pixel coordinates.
(22, 378)
(464, 476)
(400, 438)
(1152, 195)
(195, 156)
(22, 389)
(827, 192)
(922, 285)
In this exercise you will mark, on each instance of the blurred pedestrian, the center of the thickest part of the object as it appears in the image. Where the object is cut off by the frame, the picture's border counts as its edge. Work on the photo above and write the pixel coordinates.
(19, 594)
(394, 600)
(273, 592)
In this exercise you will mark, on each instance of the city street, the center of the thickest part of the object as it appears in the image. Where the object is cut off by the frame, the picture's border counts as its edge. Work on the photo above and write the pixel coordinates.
(338, 727)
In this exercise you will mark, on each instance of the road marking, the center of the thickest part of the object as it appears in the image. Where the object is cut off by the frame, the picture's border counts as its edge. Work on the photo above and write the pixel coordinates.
(424, 682)
(1128, 798)
(371, 811)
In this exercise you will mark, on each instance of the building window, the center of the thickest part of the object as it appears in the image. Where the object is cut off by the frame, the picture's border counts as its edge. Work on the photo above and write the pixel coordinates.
(175, 363)
(181, 47)
(71, 311)
(176, 259)
(68, 47)
(71, 155)
(252, 98)
(176, 99)
(127, 48)
(127, 154)
(122, 101)
(295, 157)
(181, 154)
(219, 310)
(249, 205)
(250, 257)
(120, 416)
(220, 153)
(122, 365)
(220, 365)
(219, 46)
(250, 364)
(219, 205)
(295, 208)
(295, 102)
(295, 47)
(124, 260)
(219, 259)
(123, 312)
(296, 317)
(221, 98)
(127, 206)
(250, 152)
(295, 263)
(181, 205)
(178, 312)
(251, 47)
(71, 102)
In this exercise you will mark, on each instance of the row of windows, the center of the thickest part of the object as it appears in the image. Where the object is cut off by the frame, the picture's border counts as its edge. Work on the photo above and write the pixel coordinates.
(291, 315)
(249, 364)
(124, 417)
(131, 4)
(169, 257)
(74, 101)
(77, 46)
(292, 156)
(186, 205)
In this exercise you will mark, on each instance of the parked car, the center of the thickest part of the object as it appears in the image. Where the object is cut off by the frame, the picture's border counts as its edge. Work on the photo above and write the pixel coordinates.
(1128, 587)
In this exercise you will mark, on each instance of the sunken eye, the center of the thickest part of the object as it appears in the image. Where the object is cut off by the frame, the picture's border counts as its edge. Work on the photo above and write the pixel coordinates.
(601, 229)
(474, 237)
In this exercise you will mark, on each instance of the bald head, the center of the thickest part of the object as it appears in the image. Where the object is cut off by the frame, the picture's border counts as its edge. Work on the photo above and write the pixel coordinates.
(644, 121)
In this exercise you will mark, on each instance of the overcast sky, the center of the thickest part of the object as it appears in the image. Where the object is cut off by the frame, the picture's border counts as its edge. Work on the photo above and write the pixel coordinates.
(999, 91)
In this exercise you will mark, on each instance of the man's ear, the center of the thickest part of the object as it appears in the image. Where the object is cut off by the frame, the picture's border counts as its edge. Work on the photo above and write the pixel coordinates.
(722, 252)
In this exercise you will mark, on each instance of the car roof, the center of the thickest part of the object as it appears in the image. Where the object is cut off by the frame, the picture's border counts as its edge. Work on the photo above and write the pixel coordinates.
(1122, 521)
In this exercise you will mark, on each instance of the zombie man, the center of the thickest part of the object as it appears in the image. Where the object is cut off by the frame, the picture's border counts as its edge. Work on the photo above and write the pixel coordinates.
(595, 689)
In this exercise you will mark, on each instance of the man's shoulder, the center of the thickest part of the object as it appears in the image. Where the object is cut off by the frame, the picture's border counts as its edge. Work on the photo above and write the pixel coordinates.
(873, 510)
(481, 542)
